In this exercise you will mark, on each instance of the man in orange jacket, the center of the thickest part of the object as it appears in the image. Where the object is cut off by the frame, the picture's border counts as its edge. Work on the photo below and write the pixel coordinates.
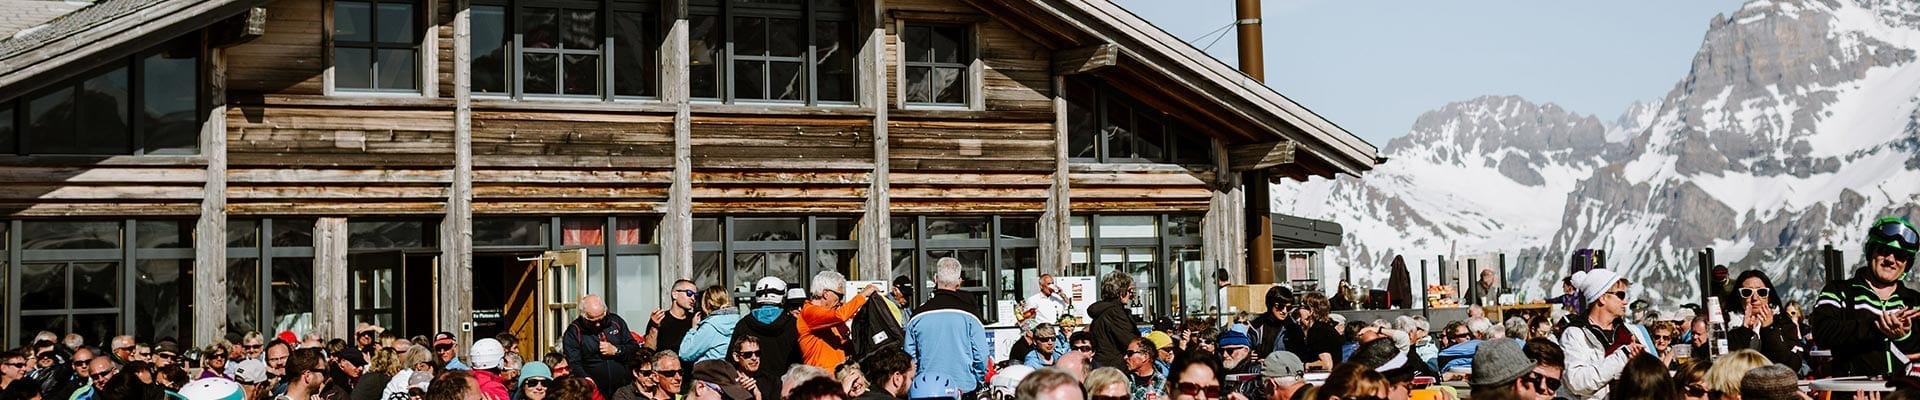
(823, 320)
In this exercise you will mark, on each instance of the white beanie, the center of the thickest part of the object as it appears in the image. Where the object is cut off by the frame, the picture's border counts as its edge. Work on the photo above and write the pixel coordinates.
(1594, 283)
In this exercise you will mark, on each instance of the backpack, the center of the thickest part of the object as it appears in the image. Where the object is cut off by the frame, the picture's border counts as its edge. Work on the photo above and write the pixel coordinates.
(875, 327)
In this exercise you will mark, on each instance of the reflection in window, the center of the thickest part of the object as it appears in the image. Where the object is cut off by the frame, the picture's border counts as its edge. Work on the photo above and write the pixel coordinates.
(78, 297)
(767, 51)
(389, 234)
(293, 294)
(293, 232)
(160, 287)
(639, 289)
(243, 296)
(602, 49)
(706, 268)
(957, 228)
(164, 234)
(375, 45)
(490, 43)
(509, 231)
(97, 113)
(1104, 125)
(66, 235)
(937, 59)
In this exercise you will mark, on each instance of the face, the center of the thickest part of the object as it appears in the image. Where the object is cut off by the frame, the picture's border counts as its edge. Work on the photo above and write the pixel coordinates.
(1615, 300)
(1888, 265)
(348, 368)
(1750, 289)
(1695, 391)
(1085, 346)
(683, 296)
(1047, 344)
(83, 363)
(277, 360)
(1233, 355)
(1117, 390)
(703, 390)
(1196, 383)
(1138, 359)
(1540, 383)
(103, 371)
(1486, 276)
(142, 353)
(536, 387)
(252, 348)
(444, 352)
(401, 346)
(1459, 336)
(667, 373)
(747, 356)
(560, 370)
(1046, 285)
(1166, 354)
(1662, 338)
(1063, 392)
(14, 368)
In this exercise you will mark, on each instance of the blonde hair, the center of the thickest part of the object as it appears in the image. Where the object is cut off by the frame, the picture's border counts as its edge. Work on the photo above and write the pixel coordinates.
(1726, 372)
(417, 355)
(386, 361)
(1351, 380)
(1100, 379)
(716, 297)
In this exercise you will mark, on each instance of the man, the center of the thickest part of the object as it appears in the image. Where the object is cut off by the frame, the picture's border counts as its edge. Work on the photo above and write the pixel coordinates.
(1049, 384)
(669, 327)
(1422, 344)
(776, 331)
(594, 343)
(746, 359)
(1598, 345)
(1275, 330)
(1771, 382)
(366, 339)
(945, 336)
(13, 368)
(1485, 292)
(1548, 364)
(1143, 380)
(667, 376)
(102, 370)
(1503, 371)
(251, 374)
(1047, 351)
(1358, 332)
(823, 320)
(1049, 304)
(453, 385)
(82, 376)
(142, 353)
(716, 380)
(121, 348)
(277, 353)
(1236, 354)
(446, 351)
(1568, 299)
(902, 294)
(1285, 375)
(348, 364)
(306, 374)
(488, 356)
(1113, 322)
(252, 346)
(165, 354)
(1164, 349)
(644, 386)
(1460, 349)
(1864, 319)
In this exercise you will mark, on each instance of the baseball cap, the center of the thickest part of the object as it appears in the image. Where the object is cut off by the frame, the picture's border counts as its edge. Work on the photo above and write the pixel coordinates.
(249, 371)
(289, 338)
(1282, 364)
(1161, 340)
(721, 373)
(443, 338)
(769, 290)
(352, 355)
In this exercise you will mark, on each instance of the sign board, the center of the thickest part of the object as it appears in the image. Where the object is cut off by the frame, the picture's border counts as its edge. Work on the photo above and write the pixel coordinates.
(1081, 292)
(1002, 339)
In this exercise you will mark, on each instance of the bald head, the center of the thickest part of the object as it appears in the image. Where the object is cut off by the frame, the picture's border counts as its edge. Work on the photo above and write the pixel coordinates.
(1075, 363)
(593, 307)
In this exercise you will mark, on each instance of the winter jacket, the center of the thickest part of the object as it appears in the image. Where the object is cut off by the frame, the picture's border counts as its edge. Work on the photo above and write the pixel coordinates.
(581, 344)
(1457, 356)
(876, 326)
(1429, 354)
(709, 341)
(1780, 342)
(1270, 333)
(947, 339)
(491, 385)
(369, 386)
(1843, 321)
(823, 332)
(1594, 357)
(779, 345)
(1113, 327)
(1037, 360)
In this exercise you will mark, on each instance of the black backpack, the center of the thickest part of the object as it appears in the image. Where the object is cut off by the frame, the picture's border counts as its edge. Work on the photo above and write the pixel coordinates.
(875, 327)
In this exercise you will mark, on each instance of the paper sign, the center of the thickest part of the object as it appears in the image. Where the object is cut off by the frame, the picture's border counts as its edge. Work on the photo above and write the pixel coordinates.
(1081, 292)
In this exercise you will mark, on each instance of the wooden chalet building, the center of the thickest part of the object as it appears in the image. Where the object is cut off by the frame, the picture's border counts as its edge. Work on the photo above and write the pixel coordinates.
(204, 168)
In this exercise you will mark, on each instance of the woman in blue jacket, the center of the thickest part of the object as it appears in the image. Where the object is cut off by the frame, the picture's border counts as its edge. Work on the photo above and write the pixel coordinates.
(709, 340)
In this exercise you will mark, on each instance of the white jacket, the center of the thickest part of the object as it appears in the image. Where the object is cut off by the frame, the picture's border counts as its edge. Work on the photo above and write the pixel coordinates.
(1589, 370)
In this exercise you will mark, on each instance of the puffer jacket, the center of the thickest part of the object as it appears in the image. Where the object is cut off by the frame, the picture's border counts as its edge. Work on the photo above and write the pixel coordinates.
(1113, 327)
(709, 341)
(779, 345)
(948, 340)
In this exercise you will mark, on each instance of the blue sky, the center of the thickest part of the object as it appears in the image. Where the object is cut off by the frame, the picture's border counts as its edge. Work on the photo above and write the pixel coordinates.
(1372, 66)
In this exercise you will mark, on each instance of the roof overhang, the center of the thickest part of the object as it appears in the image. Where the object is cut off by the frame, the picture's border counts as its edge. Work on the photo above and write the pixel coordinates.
(1291, 232)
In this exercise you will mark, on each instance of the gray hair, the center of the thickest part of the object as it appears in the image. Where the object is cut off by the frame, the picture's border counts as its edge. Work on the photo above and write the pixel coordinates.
(1042, 380)
(804, 372)
(1481, 327)
(946, 273)
(827, 280)
(1044, 329)
(1517, 328)
(1405, 323)
(1115, 285)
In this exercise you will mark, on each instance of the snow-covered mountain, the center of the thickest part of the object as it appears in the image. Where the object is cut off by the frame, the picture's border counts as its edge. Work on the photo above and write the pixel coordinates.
(1795, 128)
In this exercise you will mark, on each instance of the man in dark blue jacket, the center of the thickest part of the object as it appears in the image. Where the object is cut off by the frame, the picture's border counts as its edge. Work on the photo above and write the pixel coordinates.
(596, 342)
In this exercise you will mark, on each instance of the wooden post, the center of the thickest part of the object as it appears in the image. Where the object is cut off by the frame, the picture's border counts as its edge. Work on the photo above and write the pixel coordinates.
(676, 227)
(1056, 241)
(1224, 222)
(876, 232)
(455, 306)
(330, 282)
(210, 232)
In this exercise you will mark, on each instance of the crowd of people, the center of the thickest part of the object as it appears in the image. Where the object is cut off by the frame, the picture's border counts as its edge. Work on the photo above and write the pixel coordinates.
(825, 342)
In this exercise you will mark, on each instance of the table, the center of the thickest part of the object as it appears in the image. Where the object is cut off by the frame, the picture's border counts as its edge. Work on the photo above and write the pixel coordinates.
(1851, 384)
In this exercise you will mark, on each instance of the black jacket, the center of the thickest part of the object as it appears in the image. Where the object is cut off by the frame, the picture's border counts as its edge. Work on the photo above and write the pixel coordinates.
(874, 327)
(1272, 333)
(581, 344)
(1113, 327)
(1779, 342)
(1843, 320)
(779, 346)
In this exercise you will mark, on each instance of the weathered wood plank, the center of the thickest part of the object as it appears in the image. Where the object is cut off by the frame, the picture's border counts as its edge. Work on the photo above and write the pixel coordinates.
(335, 176)
(776, 207)
(1255, 156)
(278, 192)
(330, 277)
(906, 178)
(574, 161)
(336, 207)
(582, 177)
(108, 209)
(286, 58)
(210, 231)
(491, 191)
(1080, 60)
(710, 193)
(570, 207)
(1140, 179)
(162, 175)
(80, 193)
(780, 178)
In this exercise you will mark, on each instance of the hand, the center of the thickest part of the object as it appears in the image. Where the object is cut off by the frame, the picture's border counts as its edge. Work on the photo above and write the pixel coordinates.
(656, 317)
(607, 349)
(748, 382)
(1892, 325)
(870, 289)
(1236, 396)
(1751, 319)
(1634, 349)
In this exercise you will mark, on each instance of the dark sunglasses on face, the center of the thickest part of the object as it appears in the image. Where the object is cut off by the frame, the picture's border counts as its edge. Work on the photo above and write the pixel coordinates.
(1046, 339)
(1196, 390)
(1083, 348)
(1130, 353)
(1662, 337)
(536, 382)
(443, 347)
(688, 292)
(749, 354)
(17, 365)
(670, 373)
(1696, 391)
(1543, 381)
(1748, 293)
(251, 346)
(1619, 294)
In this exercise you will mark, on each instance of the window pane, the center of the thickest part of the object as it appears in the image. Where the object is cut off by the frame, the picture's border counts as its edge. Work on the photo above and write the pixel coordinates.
(169, 99)
(583, 74)
(1152, 138)
(105, 128)
(1019, 274)
(905, 263)
(44, 286)
(706, 44)
(1019, 228)
(1083, 123)
(1189, 269)
(1187, 226)
(1192, 146)
(973, 273)
(750, 267)
(1077, 227)
(638, 278)
(749, 80)
(706, 229)
(788, 81)
(352, 21)
(161, 287)
(293, 294)
(96, 285)
(597, 275)
(292, 233)
(243, 295)
(581, 30)
(164, 234)
(949, 85)
(1127, 226)
(352, 68)
(1079, 263)
(8, 135)
(919, 41)
(706, 268)
(947, 44)
(834, 45)
(540, 74)
(396, 23)
(50, 120)
(768, 229)
(1118, 129)
(243, 233)
(749, 36)
(919, 88)
(939, 228)
(508, 231)
(637, 230)
(61, 235)
(902, 227)
(387, 234)
(97, 325)
(490, 49)
(583, 231)
(537, 27)
(833, 228)
(32, 324)
(397, 69)
(633, 54)
(842, 261)
(786, 37)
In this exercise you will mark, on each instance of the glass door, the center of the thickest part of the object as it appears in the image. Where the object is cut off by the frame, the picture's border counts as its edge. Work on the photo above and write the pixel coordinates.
(563, 280)
(377, 298)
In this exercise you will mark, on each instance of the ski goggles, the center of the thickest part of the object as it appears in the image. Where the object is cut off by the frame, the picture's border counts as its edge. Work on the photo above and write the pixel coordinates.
(1898, 236)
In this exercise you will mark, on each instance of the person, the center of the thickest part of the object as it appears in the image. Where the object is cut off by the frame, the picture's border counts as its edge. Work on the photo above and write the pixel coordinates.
(535, 381)
(717, 380)
(1344, 298)
(1549, 366)
(1049, 384)
(1164, 349)
(1599, 343)
(165, 354)
(489, 358)
(558, 362)
(1771, 382)
(945, 336)
(446, 351)
(708, 341)
(379, 372)
(1285, 376)
(345, 366)
(594, 344)
(641, 365)
(214, 360)
(902, 294)
(1275, 329)
(669, 326)
(366, 338)
(251, 374)
(822, 323)
(1144, 381)
(1569, 298)
(1691, 381)
(305, 374)
(1107, 383)
(1645, 377)
(1542, 328)
(1323, 341)
(1867, 321)
(122, 349)
(13, 369)
(801, 373)
(667, 376)
(1724, 377)
(1500, 366)
(852, 381)
(454, 384)
(1357, 332)
(1236, 355)
(1113, 324)
(1352, 382)
(1486, 291)
(745, 357)
(890, 372)
(1196, 376)
(1049, 304)
(778, 333)
(818, 389)
(1047, 351)
(1762, 327)
(574, 387)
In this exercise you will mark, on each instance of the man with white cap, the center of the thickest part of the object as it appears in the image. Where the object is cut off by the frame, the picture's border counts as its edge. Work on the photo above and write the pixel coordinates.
(1285, 375)
(1599, 343)
(487, 355)
(777, 334)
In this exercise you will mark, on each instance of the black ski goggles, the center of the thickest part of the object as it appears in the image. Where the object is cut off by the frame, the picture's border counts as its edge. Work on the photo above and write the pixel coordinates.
(1908, 241)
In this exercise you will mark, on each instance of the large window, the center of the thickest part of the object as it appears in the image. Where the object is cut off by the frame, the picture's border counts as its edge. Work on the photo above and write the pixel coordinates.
(1162, 252)
(376, 45)
(772, 50)
(937, 60)
(145, 104)
(275, 298)
(101, 278)
(623, 255)
(572, 48)
(998, 256)
(737, 251)
(1104, 125)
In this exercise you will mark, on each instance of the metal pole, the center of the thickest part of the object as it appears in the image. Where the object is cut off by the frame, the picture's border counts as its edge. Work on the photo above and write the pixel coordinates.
(1248, 28)
(1259, 206)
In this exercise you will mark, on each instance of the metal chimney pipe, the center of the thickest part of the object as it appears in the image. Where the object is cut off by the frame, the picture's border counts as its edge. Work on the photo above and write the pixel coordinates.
(1258, 202)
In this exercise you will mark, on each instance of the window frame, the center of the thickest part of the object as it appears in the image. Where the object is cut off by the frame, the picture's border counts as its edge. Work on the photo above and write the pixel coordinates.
(808, 246)
(1164, 245)
(607, 45)
(1172, 129)
(136, 100)
(417, 45)
(969, 61)
(810, 15)
(126, 258)
(264, 252)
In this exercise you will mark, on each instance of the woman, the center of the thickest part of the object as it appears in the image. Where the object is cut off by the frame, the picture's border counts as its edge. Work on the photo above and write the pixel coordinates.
(1763, 326)
(535, 381)
(1645, 378)
(1724, 377)
(709, 340)
(1691, 382)
(1663, 333)
(380, 370)
(216, 356)
(1107, 383)
(1323, 341)
(1352, 382)
(1195, 376)
(417, 363)
(572, 388)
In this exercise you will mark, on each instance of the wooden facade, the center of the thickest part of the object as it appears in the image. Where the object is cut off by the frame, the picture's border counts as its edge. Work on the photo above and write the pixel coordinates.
(283, 141)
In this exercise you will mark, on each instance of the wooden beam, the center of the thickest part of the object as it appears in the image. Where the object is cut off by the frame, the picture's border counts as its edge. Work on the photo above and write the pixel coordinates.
(210, 232)
(455, 307)
(876, 253)
(1222, 227)
(676, 226)
(239, 29)
(1055, 239)
(330, 277)
(1080, 60)
(1248, 157)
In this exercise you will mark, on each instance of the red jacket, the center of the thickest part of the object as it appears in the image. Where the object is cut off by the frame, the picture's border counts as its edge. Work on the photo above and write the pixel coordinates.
(491, 386)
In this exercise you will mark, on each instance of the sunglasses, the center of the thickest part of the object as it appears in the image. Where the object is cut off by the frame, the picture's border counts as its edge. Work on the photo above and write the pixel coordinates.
(251, 346)
(1130, 353)
(749, 354)
(1662, 337)
(1749, 293)
(166, 356)
(1196, 390)
(16, 365)
(688, 292)
(670, 373)
(1045, 339)
(1696, 391)
(443, 347)
(1461, 336)
(1083, 348)
(144, 354)
(1619, 294)
(1543, 381)
(536, 382)
(81, 362)
(836, 293)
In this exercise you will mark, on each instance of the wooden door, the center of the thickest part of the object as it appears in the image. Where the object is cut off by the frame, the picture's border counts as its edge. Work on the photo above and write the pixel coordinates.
(563, 280)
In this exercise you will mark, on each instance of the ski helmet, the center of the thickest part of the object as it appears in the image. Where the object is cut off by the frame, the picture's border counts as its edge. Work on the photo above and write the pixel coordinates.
(1894, 234)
